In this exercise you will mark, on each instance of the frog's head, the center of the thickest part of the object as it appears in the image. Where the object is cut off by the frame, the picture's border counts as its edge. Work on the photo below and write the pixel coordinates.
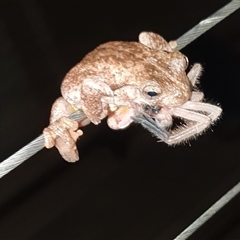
(167, 84)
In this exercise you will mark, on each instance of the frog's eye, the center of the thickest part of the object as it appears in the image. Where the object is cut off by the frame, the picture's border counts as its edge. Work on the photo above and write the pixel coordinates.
(152, 93)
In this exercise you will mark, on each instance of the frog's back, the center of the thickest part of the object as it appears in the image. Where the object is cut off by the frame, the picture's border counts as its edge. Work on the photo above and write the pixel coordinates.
(115, 63)
(127, 63)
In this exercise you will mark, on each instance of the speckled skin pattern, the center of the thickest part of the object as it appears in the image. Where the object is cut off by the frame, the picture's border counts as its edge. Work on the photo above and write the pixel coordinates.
(106, 72)
(120, 79)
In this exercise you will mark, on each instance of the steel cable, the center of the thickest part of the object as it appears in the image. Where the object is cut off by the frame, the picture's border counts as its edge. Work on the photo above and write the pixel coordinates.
(36, 145)
(29, 150)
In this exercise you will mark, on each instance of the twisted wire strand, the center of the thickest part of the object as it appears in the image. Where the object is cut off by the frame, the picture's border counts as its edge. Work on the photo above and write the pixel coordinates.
(30, 149)
(36, 145)
(209, 213)
(207, 23)
(182, 41)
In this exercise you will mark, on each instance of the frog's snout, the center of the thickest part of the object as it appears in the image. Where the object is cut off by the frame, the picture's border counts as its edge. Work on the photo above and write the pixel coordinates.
(151, 110)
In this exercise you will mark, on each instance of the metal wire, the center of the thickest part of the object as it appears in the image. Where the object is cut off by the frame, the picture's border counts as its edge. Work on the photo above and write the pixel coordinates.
(37, 144)
(21, 155)
(182, 41)
(207, 23)
(209, 213)
(30, 149)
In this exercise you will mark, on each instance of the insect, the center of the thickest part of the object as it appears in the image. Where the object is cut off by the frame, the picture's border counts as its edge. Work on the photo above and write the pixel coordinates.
(143, 81)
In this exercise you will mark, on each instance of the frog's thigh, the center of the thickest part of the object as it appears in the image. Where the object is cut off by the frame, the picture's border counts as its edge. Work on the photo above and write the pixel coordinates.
(60, 108)
(121, 118)
(92, 94)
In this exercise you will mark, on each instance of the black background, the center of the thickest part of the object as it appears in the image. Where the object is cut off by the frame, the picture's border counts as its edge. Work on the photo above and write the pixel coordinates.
(126, 184)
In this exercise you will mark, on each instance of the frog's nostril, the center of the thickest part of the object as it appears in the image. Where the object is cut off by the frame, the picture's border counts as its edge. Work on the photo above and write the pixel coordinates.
(151, 110)
(155, 109)
(146, 108)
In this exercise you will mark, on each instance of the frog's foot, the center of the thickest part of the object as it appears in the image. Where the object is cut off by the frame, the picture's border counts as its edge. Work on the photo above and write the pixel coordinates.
(120, 118)
(63, 134)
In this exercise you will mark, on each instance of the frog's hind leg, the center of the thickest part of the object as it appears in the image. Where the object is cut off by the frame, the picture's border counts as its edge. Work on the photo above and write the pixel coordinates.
(62, 131)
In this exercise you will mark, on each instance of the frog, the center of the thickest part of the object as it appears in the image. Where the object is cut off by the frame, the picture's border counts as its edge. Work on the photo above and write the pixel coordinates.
(118, 80)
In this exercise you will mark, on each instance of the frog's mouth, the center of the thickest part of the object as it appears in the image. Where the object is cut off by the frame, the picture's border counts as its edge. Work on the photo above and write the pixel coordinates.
(148, 121)
(151, 110)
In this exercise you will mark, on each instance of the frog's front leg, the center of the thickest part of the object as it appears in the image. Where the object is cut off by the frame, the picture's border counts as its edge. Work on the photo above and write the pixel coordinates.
(127, 103)
(120, 118)
(95, 99)
(62, 131)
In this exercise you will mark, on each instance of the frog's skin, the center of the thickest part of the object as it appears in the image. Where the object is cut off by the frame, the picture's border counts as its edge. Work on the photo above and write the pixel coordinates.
(121, 79)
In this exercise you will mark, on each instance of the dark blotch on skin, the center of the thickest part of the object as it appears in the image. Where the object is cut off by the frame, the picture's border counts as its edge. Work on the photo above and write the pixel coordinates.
(151, 110)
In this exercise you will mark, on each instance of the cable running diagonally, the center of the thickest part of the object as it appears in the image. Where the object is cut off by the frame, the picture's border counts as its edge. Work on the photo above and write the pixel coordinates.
(36, 145)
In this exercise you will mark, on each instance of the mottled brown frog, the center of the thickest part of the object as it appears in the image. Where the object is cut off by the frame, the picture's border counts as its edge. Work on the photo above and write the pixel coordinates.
(120, 79)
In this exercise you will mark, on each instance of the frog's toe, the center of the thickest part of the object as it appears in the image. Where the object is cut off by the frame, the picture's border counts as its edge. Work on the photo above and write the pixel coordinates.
(70, 154)
(63, 134)
(68, 123)
(49, 138)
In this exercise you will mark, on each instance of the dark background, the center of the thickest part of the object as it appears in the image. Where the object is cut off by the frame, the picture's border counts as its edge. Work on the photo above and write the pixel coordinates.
(126, 184)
